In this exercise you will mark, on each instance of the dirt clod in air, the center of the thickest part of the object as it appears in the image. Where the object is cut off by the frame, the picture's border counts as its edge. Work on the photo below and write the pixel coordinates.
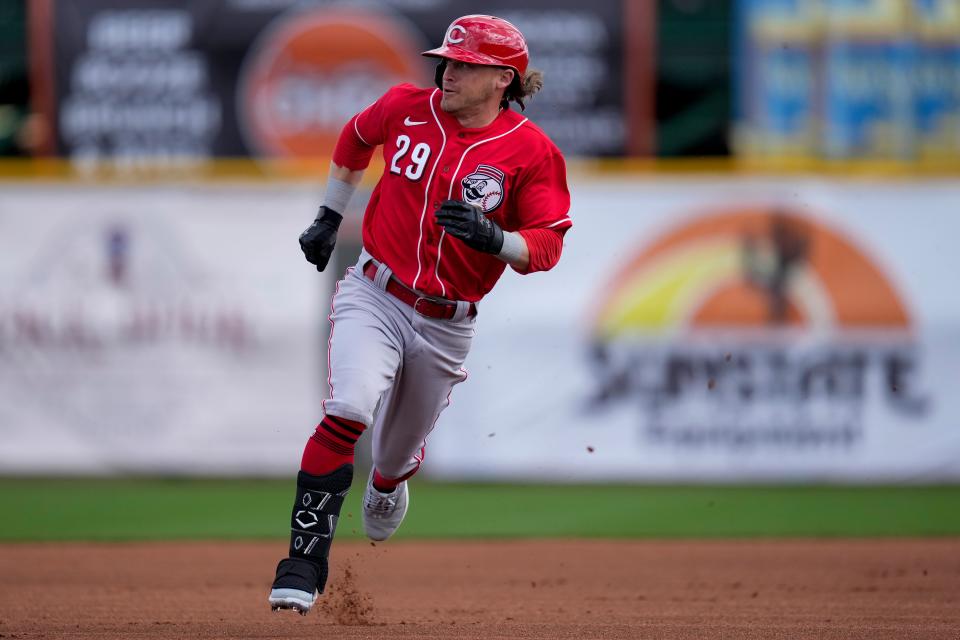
(344, 603)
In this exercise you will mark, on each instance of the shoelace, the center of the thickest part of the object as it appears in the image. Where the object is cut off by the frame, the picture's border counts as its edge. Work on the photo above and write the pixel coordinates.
(381, 504)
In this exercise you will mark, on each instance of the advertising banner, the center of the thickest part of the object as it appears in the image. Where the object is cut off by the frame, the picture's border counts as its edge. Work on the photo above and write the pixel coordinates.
(727, 330)
(869, 56)
(167, 80)
(876, 79)
(937, 78)
(157, 330)
(776, 74)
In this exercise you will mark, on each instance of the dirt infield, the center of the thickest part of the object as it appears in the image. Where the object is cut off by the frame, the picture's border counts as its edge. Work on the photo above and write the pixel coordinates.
(522, 589)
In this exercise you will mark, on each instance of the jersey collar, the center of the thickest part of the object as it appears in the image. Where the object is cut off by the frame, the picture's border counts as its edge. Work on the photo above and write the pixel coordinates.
(505, 120)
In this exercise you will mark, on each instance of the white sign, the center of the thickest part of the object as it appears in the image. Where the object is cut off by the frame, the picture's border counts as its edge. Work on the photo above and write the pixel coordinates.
(723, 329)
(165, 329)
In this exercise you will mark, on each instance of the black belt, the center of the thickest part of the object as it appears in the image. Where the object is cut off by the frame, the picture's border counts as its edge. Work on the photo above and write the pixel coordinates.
(429, 307)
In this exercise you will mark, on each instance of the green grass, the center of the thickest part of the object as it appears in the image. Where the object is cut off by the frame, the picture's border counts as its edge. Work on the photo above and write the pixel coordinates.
(140, 509)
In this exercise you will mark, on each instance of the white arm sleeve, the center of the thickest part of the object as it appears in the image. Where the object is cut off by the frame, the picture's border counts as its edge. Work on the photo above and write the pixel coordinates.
(338, 195)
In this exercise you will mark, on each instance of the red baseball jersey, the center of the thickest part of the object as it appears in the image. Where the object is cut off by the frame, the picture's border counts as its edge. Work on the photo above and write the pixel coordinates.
(510, 169)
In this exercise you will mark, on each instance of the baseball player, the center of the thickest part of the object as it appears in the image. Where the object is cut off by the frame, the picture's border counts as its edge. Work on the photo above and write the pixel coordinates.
(469, 187)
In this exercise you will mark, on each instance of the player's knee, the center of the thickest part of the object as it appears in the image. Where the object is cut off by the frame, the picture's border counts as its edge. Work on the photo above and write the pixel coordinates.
(344, 408)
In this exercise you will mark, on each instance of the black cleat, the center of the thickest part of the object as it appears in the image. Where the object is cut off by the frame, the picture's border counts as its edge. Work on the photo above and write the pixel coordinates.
(295, 586)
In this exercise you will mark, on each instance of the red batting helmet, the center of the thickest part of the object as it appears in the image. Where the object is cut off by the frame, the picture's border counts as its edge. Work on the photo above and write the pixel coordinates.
(486, 40)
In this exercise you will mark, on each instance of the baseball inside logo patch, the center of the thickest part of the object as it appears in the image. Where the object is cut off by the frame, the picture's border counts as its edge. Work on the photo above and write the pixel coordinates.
(484, 187)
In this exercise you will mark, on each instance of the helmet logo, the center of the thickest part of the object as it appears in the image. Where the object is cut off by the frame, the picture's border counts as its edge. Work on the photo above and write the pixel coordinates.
(452, 36)
(484, 187)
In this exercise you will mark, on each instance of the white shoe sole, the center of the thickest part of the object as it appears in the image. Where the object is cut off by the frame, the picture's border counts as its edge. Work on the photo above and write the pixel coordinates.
(299, 601)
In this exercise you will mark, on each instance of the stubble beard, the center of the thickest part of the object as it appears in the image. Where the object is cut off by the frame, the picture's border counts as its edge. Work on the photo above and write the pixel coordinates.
(448, 104)
(458, 103)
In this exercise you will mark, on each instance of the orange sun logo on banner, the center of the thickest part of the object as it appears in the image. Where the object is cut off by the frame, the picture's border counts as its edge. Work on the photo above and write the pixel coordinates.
(749, 269)
(312, 70)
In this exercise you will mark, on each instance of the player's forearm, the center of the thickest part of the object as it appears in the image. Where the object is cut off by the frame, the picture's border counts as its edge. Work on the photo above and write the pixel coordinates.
(341, 185)
(515, 251)
(350, 159)
(344, 174)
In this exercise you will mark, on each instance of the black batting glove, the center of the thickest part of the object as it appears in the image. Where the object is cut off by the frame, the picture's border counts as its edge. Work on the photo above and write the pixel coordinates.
(320, 237)
(467, 223)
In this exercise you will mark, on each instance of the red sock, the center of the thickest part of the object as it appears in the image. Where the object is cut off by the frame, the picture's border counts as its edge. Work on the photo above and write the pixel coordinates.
(386, 485)
(331, 445)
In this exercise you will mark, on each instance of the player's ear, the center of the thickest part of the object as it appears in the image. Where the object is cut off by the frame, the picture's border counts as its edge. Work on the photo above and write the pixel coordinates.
(506, 77)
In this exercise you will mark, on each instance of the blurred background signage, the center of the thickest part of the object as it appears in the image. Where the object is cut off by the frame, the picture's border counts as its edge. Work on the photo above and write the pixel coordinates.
(213, 78)
(757, 285)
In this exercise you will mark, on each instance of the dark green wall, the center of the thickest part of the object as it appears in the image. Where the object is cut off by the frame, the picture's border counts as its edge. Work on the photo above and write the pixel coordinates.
(14, 91)
(693, 77)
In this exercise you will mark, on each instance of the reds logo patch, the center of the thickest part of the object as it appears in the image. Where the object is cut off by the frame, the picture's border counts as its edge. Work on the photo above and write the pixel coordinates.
(484, 187)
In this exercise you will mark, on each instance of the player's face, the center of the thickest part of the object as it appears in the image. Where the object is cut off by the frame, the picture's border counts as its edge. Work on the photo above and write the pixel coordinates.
(467, 87)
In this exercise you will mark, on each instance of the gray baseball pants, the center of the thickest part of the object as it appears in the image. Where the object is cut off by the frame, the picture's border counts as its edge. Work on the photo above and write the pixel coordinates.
(391, 367)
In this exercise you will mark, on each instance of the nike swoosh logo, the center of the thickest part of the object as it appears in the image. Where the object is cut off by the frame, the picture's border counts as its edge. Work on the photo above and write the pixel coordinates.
(412, 123)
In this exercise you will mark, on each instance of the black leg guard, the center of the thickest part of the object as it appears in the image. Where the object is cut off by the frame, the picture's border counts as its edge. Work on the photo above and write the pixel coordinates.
(313, 522)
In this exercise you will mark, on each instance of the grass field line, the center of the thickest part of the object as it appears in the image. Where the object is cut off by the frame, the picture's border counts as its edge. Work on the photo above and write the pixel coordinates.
(169, 509)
